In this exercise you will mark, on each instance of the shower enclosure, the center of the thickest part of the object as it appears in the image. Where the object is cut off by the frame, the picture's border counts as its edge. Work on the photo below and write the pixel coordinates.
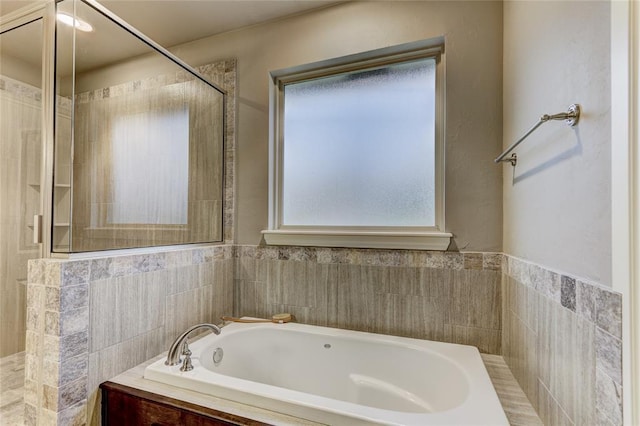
(114, 144)
(20, 172)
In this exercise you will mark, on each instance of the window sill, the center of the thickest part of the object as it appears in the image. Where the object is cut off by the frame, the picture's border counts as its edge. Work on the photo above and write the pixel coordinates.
(360, 239)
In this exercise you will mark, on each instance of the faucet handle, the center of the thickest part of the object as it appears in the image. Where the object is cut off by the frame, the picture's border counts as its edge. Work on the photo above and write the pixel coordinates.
(186, 364)
(185, 348)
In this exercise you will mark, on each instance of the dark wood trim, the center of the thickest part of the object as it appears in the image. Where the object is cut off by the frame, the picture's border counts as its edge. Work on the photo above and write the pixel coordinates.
(124, 402)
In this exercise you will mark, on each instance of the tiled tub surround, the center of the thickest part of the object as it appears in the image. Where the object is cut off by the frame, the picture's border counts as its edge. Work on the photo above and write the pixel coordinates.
(562, 340)
(89, 320)
(444, 296)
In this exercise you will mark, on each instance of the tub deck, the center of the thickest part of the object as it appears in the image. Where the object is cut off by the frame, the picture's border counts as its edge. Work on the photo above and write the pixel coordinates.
(514, 402)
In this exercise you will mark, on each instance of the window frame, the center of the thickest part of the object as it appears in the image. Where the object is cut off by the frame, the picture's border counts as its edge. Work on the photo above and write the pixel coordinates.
(395, 237)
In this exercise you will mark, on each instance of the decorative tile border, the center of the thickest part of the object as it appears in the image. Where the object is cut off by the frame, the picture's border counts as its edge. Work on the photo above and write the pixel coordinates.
(20, 89)
(375, 257)
(591, 301)
(26, 91)
(130, 87)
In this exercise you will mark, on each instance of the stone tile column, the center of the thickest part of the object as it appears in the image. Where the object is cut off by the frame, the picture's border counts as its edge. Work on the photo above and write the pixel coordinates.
(57, 346)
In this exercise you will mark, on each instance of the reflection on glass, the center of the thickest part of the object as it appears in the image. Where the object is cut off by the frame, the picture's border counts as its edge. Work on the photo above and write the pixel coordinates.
(147, 144)
(150, 138)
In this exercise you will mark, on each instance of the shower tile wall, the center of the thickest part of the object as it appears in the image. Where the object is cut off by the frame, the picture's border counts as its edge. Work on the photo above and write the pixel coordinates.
(562, 340)
(93, 175)
(20, 148)
(224, 74)
(451, 297)
(89, 320)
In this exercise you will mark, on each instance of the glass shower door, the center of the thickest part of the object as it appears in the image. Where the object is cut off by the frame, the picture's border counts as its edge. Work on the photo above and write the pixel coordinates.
(20, 173)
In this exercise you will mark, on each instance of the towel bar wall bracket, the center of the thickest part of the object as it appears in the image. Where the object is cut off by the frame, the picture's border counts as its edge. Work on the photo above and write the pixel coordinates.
(513, 159)
(571, 118)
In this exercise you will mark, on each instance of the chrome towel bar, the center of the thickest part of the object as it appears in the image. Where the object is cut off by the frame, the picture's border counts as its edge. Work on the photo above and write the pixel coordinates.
(570, 117)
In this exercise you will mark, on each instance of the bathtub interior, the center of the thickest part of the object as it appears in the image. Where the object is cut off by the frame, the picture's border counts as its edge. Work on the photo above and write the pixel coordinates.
(340, 376)
(346, 369)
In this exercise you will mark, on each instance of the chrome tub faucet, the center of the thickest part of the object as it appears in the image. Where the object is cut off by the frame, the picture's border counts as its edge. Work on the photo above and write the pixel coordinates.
(176, 349)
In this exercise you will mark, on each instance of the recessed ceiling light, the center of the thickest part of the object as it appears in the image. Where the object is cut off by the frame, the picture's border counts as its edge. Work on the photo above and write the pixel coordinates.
(74, 22)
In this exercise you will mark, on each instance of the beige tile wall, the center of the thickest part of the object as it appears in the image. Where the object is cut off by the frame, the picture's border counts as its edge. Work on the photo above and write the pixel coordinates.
(451, 297)
(224, 74)
(89, 320)
(562, 340)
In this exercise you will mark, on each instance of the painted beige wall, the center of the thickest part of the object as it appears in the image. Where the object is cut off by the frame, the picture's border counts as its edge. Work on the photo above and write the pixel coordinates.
(473, 34)
(22, 61)
(20, 70)
(557, 201)
(473, 48)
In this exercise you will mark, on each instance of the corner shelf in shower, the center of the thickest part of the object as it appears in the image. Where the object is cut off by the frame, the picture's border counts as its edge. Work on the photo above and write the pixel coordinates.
(57, 185)
(63, 187)
(61, 219)
(61, 225)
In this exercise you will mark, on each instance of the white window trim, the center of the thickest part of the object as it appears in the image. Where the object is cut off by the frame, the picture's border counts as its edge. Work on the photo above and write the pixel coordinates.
(424, 238)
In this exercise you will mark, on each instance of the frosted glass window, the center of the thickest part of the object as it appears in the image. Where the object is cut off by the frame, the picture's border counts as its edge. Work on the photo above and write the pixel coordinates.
(359, 148)
(150, 195)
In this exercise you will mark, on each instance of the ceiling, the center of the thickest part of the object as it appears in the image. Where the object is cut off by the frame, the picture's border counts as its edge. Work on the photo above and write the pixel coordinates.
(175, 22)
(168, 22)
(172, 22)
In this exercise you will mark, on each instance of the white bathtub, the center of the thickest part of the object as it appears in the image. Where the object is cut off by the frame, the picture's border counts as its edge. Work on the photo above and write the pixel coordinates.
(341, 377)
